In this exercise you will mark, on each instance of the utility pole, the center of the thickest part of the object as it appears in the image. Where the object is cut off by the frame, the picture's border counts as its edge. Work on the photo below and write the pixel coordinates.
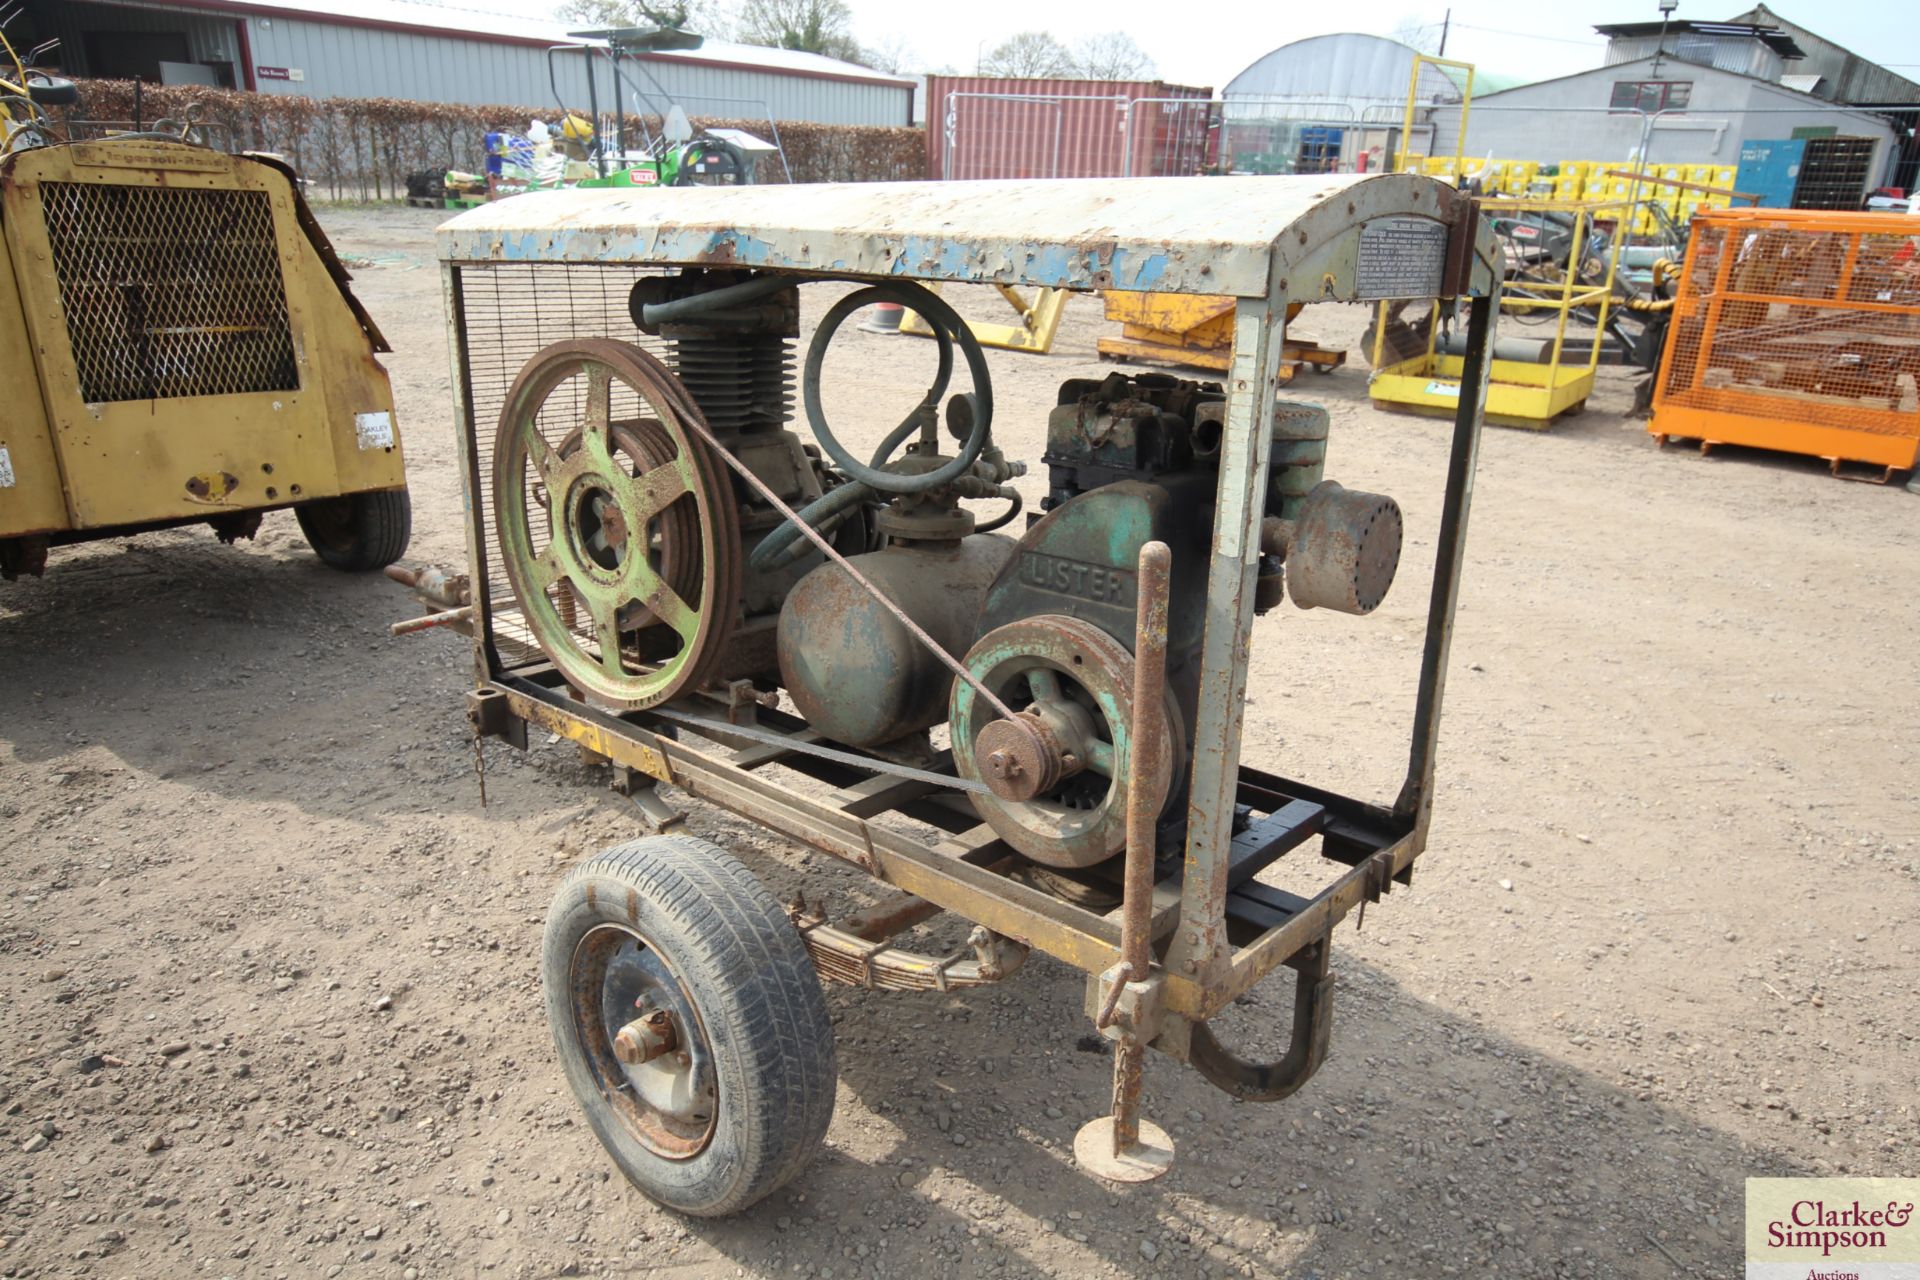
(1445, 23)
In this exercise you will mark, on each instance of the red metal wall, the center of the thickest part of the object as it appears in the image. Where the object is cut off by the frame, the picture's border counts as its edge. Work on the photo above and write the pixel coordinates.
(1035, 128)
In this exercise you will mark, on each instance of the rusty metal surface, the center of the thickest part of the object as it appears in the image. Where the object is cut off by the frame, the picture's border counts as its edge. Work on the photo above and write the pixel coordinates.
(1342, 550)
(853, 671)
(843, 956)
(1053, 127)
(1306, 1048)
(1148, 759)
(641, 1037)
(434, 585)
(913, 628)
(1239, 236)
(1004, 905)
(1079, 680)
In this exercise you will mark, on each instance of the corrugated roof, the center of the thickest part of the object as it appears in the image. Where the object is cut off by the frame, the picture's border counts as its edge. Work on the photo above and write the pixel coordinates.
(1773, 37)
(1216, 236)
(479, 22)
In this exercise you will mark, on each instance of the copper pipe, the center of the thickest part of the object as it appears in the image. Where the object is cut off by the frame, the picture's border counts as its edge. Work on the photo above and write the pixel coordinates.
(463, 614)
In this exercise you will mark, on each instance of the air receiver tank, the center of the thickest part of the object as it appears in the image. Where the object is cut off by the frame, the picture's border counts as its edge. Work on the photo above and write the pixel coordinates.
(856, 673)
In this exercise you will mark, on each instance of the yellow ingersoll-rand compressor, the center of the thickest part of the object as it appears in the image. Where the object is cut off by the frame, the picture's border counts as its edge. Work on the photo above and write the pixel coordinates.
(178, 345)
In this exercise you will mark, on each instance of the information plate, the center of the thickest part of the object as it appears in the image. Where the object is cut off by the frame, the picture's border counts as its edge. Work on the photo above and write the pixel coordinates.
(1400, 258)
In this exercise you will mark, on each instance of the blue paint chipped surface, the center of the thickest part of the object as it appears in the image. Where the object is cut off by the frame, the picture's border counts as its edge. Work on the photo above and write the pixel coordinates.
(1218, 236)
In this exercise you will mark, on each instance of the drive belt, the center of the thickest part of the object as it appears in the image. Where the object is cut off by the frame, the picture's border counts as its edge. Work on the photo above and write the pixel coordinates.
(752, 733)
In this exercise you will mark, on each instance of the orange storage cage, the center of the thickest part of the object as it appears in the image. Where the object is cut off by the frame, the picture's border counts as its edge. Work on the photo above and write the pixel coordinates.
(1797, 330)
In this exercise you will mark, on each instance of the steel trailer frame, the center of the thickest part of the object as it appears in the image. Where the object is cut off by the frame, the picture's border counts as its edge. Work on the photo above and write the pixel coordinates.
(1217, 930)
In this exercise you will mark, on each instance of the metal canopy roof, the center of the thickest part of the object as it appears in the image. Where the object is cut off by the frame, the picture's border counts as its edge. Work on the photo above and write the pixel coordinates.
(1218, 236)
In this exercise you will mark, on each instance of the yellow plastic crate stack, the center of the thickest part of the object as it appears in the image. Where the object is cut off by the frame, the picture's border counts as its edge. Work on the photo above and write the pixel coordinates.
(1570, 183)
(1519, 176)
(1587, 180)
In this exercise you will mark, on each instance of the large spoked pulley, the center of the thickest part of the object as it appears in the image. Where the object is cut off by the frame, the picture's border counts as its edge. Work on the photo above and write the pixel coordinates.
(690, 1022)
(618, 527)
(1058, 770)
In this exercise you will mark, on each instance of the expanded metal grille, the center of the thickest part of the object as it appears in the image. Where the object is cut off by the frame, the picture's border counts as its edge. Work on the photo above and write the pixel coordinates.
(1799, 319)
(509, 314)
(169, 292)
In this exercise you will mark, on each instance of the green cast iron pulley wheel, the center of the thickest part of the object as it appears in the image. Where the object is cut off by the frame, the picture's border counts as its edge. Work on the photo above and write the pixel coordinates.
(1079, 677)
(594, 530)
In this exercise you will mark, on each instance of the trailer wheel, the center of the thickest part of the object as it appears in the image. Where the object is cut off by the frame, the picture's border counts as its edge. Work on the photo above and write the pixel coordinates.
(690, 1023)
(359, 532)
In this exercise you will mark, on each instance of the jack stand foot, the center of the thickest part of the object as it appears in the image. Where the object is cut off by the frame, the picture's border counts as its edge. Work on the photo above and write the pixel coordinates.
(658, 816)
(1151, 1157)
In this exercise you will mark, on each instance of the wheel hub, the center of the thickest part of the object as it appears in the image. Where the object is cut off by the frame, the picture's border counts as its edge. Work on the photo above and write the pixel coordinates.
(1033, 753)
(644, 1040)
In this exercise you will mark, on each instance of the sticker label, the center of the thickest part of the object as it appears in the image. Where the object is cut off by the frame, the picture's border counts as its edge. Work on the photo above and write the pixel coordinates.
(1400, 258)
(1444, 389)
(374, 430)
(6, 468)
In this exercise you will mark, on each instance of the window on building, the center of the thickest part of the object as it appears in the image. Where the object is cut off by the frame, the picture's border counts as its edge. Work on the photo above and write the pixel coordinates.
(1650, 95)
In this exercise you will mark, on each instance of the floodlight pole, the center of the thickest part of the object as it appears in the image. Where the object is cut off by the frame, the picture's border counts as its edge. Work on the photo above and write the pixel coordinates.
(1666, 12)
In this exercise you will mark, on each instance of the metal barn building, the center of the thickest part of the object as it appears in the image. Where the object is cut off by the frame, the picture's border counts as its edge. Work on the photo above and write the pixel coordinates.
(429, 53)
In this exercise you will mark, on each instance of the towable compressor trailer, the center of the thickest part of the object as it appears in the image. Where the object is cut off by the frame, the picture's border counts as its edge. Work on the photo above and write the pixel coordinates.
(1037, 731)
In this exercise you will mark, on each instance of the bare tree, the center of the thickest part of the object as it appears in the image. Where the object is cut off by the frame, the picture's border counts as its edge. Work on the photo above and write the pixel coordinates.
(809, 26)
(685, 15)
(1423, 36)
(1111, 55)
(1031, 53)
(893, 55)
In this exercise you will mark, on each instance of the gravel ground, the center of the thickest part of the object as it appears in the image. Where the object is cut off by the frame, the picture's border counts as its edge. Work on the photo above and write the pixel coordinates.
(270, 970)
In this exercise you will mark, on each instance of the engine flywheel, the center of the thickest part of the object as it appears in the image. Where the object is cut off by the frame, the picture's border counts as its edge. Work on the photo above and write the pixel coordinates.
(617, 526)
(1057, 771)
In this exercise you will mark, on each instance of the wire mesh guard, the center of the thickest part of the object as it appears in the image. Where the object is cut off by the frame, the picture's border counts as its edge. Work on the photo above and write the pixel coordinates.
(169, 292)
(508, 314)
(1797, 322)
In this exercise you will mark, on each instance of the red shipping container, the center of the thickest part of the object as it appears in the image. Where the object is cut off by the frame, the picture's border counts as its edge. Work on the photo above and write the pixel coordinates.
(1003, 127)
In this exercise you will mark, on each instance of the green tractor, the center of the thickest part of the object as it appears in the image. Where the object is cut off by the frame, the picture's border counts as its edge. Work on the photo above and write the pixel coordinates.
(679, 155)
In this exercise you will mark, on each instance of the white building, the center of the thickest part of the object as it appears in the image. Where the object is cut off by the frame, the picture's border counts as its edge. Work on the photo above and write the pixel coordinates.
(1699, 94)
(434, 53)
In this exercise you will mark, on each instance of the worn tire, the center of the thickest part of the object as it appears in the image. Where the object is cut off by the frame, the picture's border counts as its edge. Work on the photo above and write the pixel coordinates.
(359, 532)
(759, 1003)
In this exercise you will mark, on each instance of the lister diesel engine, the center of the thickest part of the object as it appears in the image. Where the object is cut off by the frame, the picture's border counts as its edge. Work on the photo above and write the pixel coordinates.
(674, 536)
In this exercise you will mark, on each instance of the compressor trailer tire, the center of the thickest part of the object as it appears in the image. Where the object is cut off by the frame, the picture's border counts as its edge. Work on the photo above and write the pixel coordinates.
(671, 941)
(359, 532)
